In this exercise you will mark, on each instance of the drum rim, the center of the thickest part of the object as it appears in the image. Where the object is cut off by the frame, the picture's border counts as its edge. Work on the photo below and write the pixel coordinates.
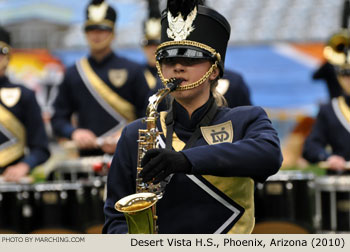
(13, 187)
(287, 175)
(57, 186)
(333, 183)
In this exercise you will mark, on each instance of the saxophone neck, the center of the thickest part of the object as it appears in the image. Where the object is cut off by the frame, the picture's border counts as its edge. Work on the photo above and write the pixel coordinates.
(154, 101)
(157, 98)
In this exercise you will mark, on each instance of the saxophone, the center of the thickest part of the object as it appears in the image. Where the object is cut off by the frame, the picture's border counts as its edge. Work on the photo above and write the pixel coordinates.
(140, 208)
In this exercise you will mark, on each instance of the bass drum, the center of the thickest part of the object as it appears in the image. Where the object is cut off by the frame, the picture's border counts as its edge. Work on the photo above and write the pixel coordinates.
(285, 204)
(333, 204)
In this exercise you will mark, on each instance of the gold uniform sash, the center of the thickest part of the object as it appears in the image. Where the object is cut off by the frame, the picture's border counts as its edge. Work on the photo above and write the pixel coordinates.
(121, 107)
(15, 150)
(151, 80)
(342, 111)
(239, 189)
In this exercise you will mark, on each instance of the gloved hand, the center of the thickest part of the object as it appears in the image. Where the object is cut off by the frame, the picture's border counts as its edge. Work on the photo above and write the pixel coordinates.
(159, 163)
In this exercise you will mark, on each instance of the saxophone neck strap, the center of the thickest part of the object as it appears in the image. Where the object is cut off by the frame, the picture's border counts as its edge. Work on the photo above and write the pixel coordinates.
(205, 121)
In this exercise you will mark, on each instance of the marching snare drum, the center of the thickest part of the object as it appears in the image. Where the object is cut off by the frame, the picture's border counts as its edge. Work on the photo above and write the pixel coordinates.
(16, 208)
(94, 194)
(70, 206)
(284, 203)
(57, 207)
(333, 204)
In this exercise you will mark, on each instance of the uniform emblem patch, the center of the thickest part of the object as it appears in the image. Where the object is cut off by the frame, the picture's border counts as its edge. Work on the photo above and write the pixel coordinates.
(220, 133)
(118, 77)
(10, 96)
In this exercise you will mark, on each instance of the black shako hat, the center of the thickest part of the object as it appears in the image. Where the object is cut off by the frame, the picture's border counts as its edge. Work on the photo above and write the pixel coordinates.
(194, 31)
(151, 26)
(337, 50)
(100, 15)
(5, 41)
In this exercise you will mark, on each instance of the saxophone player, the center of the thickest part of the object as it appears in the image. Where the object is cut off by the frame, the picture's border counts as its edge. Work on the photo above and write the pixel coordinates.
(209, 155)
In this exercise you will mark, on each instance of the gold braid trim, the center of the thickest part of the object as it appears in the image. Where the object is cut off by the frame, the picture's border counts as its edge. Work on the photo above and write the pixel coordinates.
(188, 86)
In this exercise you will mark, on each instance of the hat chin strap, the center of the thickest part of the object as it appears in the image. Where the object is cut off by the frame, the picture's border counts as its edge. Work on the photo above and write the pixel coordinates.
(191, 85)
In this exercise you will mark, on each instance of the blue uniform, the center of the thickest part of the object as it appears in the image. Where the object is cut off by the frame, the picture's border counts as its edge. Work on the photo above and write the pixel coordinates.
(238, 147)
(332, 127)
(234, 89)
(21, 126)
(104, 95)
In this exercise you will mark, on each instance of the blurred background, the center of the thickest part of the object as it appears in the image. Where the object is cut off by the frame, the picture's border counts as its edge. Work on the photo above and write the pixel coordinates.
(276, 45)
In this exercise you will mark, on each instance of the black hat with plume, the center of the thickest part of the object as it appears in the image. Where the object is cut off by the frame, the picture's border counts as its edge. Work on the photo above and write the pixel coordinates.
(337, 50)
(5, 41)
(100, 15)
(192, 30)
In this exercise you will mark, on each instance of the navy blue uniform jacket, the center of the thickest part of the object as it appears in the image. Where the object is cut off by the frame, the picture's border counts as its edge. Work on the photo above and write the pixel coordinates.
(27, 111)
(188, 204)
(74, 96)
(331, 128)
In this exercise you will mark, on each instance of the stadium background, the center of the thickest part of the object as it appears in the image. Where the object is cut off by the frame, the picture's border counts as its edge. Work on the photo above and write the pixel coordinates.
(275, 44)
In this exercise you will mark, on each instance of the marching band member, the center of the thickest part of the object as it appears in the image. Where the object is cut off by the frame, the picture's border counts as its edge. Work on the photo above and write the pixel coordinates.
(232, 85)
(214, 153)
(149, 44)
(21, 124)
(105, 91)
(332, 126)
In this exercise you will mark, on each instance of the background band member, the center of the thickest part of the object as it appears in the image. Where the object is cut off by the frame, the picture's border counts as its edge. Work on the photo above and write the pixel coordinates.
(21, 124)
(149, 43)
(105, 91)
(208, 148)
(327, 71)
(332, 126)
(233, 87)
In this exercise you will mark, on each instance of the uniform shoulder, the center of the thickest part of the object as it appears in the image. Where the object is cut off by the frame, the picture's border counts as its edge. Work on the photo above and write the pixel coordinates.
(327, 105)
(23, 88)
(131, 64)
(72, 68)
(248, 109)
(232, 75)
(25, 92)
(242, 112)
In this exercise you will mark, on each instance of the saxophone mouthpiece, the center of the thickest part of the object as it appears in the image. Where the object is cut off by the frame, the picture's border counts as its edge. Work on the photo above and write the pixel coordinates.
(173, 83)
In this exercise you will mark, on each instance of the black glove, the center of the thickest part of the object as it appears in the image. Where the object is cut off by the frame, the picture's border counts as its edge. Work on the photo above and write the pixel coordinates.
(160, 163)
